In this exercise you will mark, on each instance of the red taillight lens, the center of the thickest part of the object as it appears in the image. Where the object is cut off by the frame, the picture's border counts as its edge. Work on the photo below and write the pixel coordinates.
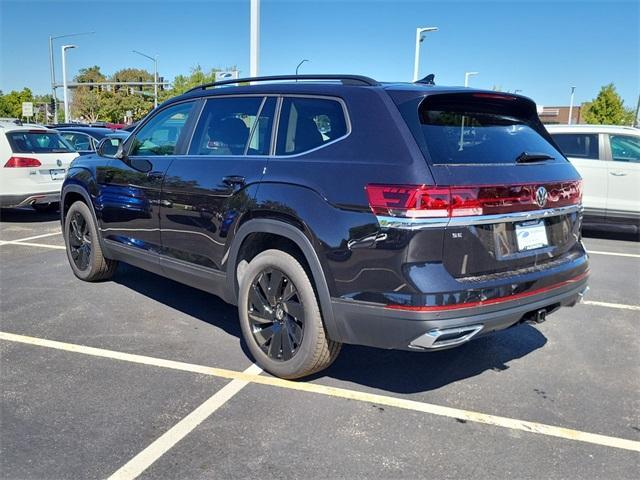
(21, 162)
(409, 200)
(423, 201)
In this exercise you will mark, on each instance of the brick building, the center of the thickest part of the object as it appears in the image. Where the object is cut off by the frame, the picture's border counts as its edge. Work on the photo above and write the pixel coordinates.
(560, 115)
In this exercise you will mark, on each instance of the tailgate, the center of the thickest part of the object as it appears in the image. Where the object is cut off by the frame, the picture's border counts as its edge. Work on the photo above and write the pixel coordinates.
(515, 200)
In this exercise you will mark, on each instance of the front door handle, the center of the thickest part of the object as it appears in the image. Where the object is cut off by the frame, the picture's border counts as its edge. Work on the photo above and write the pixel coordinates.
(618, 174)
(234, 181)
(155, 175)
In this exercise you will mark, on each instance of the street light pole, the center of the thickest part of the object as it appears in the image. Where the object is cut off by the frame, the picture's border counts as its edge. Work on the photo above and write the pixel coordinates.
(254, 40)
(573, 89)
(53, 70)
(155, 76)
(467, 75)
(419, 39)
(305, 60)
(64, 49)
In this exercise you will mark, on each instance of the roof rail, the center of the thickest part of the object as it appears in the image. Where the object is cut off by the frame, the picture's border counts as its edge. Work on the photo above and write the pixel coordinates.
(345, 79)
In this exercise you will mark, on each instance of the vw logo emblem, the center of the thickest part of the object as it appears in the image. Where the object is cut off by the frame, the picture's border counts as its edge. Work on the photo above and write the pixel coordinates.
(541, 196)
(59, 162)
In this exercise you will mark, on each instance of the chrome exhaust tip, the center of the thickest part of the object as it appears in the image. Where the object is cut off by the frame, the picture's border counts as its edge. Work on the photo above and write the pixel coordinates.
(445, 337)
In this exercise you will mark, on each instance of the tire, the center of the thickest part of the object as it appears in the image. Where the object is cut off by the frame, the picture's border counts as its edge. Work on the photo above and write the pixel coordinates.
(83, 246)
(283, 330)
(46, 207)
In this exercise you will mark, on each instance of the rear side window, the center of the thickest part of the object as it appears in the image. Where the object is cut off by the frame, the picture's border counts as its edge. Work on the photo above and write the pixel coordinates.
(578, 145)
(308, 123)
(234, 126)
(479, 129)
(38, 142)
(625, 148)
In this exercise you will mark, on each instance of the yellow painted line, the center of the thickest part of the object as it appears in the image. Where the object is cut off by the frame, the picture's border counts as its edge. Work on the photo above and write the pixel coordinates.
(482, 418)
(612, 305)
(613, 254)
(27, 244)
(143, 460)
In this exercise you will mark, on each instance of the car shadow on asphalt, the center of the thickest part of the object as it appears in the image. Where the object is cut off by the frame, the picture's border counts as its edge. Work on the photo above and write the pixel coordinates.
(26, 215)
(608, 235)
(390, 370)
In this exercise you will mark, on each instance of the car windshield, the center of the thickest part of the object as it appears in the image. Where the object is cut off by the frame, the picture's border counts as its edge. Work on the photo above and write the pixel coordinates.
(38, 142)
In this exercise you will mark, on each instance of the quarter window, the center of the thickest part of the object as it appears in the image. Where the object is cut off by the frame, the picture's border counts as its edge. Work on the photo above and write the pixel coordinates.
(160, 135)
(578, 145)
(625, 148)
(234, 126)
(309, 123)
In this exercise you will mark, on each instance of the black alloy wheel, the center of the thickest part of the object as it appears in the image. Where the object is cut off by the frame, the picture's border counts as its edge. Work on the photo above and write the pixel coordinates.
(80, 241)
(276, 314)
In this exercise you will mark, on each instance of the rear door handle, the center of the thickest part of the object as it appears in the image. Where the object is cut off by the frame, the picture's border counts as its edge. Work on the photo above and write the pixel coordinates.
(234, 181)
(618, 174)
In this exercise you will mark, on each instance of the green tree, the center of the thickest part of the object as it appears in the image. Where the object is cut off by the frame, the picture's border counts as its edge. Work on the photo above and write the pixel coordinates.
(11, 103)
(607, 108)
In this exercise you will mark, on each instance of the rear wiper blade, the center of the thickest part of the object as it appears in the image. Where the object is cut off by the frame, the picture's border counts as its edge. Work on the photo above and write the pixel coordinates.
(526, 157)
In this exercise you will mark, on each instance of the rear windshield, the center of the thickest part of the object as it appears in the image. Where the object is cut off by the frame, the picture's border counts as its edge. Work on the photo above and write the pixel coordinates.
(38, 142)
(469, 130)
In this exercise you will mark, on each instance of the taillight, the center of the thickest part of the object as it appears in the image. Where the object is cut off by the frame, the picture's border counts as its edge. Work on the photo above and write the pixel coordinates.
(419, 201)
(21, 162)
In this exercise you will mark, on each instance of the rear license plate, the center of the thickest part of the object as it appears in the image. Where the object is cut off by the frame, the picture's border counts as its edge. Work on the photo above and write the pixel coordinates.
(531, 235)
(57, 174)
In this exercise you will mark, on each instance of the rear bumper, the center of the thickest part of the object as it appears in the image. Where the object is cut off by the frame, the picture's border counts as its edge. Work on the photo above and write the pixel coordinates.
(374, 325)
(25, 199)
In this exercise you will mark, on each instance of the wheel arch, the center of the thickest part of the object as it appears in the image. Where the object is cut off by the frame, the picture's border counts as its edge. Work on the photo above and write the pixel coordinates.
(292, 234)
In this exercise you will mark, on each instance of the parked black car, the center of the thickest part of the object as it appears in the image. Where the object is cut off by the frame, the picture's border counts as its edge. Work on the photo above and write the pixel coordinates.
(335, 209)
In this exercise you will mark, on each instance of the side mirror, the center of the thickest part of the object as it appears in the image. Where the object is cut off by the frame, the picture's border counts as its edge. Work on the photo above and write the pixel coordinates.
(111, 148)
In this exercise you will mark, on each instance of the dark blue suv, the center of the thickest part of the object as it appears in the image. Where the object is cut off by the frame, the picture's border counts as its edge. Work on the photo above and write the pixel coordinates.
(335, 209)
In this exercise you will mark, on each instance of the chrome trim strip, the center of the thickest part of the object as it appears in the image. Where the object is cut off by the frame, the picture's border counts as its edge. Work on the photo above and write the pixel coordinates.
(513, 217)
(406, 223)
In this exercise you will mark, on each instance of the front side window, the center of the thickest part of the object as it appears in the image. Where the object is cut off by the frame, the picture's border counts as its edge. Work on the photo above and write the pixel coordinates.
(160, 135)
(625, 148)
(309, 123)
(38, 142)
(234, 126)
(578, 145)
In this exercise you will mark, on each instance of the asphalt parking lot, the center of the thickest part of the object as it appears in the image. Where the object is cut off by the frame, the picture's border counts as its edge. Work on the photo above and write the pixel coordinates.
(144, 376)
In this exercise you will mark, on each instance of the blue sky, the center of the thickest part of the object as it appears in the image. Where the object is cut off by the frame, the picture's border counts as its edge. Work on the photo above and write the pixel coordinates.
(541, 48)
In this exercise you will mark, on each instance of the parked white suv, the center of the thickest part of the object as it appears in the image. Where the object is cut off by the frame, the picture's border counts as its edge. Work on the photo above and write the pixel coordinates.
(608, 159)
(33, 163)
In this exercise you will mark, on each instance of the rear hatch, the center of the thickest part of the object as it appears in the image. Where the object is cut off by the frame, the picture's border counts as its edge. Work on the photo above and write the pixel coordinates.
(42, 156)
(511, 197)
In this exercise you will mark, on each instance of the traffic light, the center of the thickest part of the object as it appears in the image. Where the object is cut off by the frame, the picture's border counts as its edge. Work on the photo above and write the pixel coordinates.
(52, 107)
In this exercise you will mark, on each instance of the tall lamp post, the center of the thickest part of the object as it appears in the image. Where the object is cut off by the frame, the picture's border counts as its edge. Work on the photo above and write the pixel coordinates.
(254, 38)
(420, 35)
(298, 67)
(155, 76)
(573, 89)
(53, 71)
(64, 49)
(467, 75)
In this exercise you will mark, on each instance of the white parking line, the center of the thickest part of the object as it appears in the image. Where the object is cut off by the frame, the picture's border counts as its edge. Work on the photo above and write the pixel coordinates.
(27, 244)
(613, 254)
(166, 441)
(32, 238)
(612, 305)
(429, 408)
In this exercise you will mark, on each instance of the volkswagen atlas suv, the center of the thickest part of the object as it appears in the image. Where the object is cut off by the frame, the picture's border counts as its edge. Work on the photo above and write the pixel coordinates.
(335, 209)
